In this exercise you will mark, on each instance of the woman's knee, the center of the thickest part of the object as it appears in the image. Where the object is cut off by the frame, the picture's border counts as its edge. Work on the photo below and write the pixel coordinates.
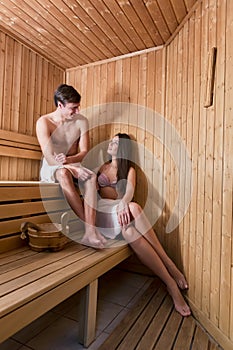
(135, 209)
(130, 234)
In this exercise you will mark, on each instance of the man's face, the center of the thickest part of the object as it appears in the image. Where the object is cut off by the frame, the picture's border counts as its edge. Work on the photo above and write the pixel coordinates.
(69, 109)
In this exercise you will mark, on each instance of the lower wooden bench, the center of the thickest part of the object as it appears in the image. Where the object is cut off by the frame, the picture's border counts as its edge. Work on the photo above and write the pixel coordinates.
(153, 323)
(31, 282)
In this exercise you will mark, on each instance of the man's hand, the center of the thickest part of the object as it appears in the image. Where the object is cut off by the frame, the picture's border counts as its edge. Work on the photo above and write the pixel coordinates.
(60, 158)
(84, 173)
(79, 172)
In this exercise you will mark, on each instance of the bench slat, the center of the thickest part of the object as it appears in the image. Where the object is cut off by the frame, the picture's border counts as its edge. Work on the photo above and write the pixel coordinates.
(19, 297)
(19, 145)
(17, 137)
(30, 208)
(10, 193)
(19, 153)
(39, 272)
(31, 262)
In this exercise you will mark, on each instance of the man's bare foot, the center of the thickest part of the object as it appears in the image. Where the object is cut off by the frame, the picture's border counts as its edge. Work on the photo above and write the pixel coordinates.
(101, 237)
(92, 240)
(179, 302)
(178, 277)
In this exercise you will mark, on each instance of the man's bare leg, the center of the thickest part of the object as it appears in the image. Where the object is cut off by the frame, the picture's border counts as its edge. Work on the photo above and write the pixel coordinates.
(88, 213)
(65, 179)
(91, 237)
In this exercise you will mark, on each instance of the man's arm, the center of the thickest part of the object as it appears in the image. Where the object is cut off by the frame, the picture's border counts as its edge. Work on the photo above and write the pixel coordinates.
(83, 145)
(44, 138)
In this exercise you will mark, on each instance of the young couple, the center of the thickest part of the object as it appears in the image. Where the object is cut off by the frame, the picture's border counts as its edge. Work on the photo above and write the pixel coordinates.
(63, 136)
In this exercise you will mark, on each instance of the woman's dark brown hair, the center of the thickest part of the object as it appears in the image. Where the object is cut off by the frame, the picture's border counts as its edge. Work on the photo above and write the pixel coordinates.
(124, 154)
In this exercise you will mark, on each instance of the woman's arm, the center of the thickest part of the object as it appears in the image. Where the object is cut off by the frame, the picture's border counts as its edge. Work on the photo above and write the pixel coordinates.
(123, 208)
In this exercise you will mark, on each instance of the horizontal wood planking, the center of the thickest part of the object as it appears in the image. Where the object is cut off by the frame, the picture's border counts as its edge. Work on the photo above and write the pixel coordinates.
(28, 201)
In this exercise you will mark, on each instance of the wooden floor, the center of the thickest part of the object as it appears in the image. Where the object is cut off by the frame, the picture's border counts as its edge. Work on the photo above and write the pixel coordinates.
(153, 323)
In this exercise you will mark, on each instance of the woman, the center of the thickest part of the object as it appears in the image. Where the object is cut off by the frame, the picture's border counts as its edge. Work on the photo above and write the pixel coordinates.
(117, 213)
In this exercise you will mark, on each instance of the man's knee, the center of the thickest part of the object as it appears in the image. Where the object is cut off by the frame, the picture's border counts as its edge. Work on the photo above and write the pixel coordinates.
(91, 180)
(63, 176)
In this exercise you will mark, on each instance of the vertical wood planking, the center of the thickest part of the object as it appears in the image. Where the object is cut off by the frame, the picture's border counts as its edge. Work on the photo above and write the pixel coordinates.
(158, 144)
(208, 199)
(226, 241)
(184, 177)
(140, 133)
(125, 92)
(27, 83)
(202, 43)
(149, 127)
(117, 110)
(189, 118)
(103, 115)
(195, 140)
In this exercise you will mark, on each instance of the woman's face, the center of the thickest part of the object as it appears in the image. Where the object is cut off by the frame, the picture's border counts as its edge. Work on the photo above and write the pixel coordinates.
(113, 146)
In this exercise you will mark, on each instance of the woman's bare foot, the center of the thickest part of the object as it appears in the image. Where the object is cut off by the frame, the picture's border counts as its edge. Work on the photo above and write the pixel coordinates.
(178, 277)
(179, 302)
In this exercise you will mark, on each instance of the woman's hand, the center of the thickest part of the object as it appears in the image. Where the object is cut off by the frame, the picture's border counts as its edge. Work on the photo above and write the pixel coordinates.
(123, 214)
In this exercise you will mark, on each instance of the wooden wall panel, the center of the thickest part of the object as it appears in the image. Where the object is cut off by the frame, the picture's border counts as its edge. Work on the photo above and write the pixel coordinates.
(205, 234)
(125, 80)
(172, 81)
(27, 83)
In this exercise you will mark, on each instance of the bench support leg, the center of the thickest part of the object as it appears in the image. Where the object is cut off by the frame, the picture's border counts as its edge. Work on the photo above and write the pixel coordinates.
(87, 313)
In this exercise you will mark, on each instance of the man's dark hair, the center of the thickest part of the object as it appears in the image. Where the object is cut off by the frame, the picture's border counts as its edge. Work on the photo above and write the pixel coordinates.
(66, 94)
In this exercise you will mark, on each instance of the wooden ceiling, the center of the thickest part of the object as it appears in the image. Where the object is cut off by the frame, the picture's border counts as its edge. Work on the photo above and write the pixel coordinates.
(76, 32)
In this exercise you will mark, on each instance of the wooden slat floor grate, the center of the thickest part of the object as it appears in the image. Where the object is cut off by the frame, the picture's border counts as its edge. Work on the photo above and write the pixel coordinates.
(153, 323)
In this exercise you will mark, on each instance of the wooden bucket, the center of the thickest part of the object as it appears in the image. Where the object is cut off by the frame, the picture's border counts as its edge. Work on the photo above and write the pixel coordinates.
(48, 236)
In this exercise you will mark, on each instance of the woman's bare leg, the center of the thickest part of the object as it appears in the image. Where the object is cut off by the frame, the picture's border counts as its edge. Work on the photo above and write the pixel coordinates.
(143, 226)
(149, 257)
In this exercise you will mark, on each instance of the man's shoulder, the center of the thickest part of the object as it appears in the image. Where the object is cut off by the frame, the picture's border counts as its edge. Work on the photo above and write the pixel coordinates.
(80, 120)
(80, 117)
(46, 116)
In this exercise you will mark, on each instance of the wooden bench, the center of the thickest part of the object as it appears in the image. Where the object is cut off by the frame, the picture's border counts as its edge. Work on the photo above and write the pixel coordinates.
(153, 323)
(33, 282)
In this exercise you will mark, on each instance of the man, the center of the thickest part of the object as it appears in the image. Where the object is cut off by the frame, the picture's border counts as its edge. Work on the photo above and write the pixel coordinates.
(64, 140)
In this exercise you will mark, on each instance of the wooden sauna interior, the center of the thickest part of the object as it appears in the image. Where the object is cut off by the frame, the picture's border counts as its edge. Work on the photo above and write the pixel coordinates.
(172, 57)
